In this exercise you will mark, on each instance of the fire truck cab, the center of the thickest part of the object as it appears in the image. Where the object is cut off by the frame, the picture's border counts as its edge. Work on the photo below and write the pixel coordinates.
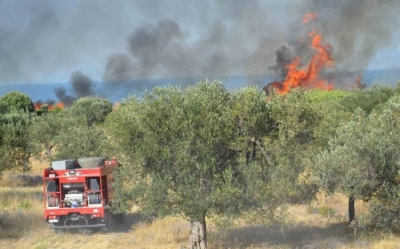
(78, 193)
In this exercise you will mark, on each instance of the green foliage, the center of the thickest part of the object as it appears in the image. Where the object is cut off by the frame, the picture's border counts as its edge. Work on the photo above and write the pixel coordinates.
(4, 108)
(363, 160)
(181, 151)
(368, 99)
(326, 211)
(14, 140)
(46, 127)
(205, 151)
(292, 140)
(250, 116)
(18, 101)
(25, 205)
(79, 141)
(318, 95)
(93, 109)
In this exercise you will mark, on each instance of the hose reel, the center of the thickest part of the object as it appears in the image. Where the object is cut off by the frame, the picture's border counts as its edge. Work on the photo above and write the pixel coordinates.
(94, 199)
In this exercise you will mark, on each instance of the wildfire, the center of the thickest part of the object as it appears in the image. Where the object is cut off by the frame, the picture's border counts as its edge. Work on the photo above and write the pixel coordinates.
(310, 75)
(51, 105)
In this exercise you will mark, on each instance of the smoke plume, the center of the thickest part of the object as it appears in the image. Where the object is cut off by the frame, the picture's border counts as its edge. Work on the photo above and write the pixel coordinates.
(81, 86)
(357, 30)
(119, 41)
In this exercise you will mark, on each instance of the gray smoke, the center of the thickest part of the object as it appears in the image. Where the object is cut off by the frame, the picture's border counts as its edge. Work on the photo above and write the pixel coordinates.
(119, 69)
(81, 86)
(163, 51)
(124, 40)
(356, 29)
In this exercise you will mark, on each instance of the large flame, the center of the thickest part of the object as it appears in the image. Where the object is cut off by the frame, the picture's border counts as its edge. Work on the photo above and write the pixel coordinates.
(308, 76)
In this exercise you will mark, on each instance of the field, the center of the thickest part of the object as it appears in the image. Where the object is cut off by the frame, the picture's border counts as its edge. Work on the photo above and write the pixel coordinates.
(322, 224)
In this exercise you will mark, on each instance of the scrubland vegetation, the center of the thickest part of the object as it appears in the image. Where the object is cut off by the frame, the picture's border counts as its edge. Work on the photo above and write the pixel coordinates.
(250, 170)
(322, 224)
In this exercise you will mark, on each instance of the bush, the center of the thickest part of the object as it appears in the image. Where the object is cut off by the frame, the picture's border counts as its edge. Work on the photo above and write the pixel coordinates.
(20, 180)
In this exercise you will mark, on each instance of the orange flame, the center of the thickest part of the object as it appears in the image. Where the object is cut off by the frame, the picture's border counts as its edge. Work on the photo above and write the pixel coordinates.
(60, 105)
(308, 76)
(37, 105)
(50, 106)
(309, 17)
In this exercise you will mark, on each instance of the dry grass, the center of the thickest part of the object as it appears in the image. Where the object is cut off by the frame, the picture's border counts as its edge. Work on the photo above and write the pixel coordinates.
(22, 226)
(323, 224)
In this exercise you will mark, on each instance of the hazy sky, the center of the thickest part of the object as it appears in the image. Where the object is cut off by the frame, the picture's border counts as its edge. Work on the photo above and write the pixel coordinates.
(49, 40)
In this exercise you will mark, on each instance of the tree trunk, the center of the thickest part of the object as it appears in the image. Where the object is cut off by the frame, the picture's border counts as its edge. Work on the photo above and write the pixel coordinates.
(26, 165)
(48, 150)
(352, 210)
(198, 238)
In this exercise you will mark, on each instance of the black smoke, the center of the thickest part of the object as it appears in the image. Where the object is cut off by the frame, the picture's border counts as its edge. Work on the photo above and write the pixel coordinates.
(356, 29)
(143, 39)
(81, 86)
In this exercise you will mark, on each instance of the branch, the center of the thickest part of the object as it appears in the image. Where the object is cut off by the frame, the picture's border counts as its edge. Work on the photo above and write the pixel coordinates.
(256, 141)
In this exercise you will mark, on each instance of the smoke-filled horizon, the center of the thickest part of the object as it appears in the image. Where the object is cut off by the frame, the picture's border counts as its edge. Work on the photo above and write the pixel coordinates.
(118, 41)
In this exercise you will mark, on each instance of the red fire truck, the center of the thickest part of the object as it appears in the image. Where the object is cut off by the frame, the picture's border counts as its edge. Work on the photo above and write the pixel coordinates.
(79, 193)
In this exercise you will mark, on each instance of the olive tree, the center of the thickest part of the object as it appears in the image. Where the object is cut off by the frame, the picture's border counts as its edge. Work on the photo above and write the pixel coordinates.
(182, 153)
(363, 160)
(47, 127)
(15, 149)
(79, 141)
(18, 101)
(292, 139)
(93, 109)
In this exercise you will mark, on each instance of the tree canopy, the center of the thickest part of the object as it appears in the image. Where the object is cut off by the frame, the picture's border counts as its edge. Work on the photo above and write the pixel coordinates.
(363, 160)
(204, 151)
(15, 149)
(18, 101)
(93, 109)
(183, 151)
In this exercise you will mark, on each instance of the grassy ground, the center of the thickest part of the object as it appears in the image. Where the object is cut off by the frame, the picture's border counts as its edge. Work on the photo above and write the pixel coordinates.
(320, 225)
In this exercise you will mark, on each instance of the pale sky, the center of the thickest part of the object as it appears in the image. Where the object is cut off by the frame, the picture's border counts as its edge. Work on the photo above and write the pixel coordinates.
(48, 40)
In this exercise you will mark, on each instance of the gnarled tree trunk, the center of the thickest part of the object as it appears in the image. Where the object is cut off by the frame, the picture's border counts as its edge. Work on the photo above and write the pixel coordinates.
(198, 238)
(352, 210)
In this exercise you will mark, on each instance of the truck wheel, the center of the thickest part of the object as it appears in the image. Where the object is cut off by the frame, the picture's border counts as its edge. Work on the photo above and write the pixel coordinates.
(57, 231)
(108, 222)
(120, 218)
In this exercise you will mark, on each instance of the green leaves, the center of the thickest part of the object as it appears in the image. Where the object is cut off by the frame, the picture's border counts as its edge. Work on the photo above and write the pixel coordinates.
(365, 155)
(183, 149)
(14, 140)
(79, 141)
(18, 101)
(93, 109)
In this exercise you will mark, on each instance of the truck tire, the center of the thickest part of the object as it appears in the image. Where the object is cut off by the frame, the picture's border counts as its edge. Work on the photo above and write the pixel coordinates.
(120, 218)
(108, 222)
